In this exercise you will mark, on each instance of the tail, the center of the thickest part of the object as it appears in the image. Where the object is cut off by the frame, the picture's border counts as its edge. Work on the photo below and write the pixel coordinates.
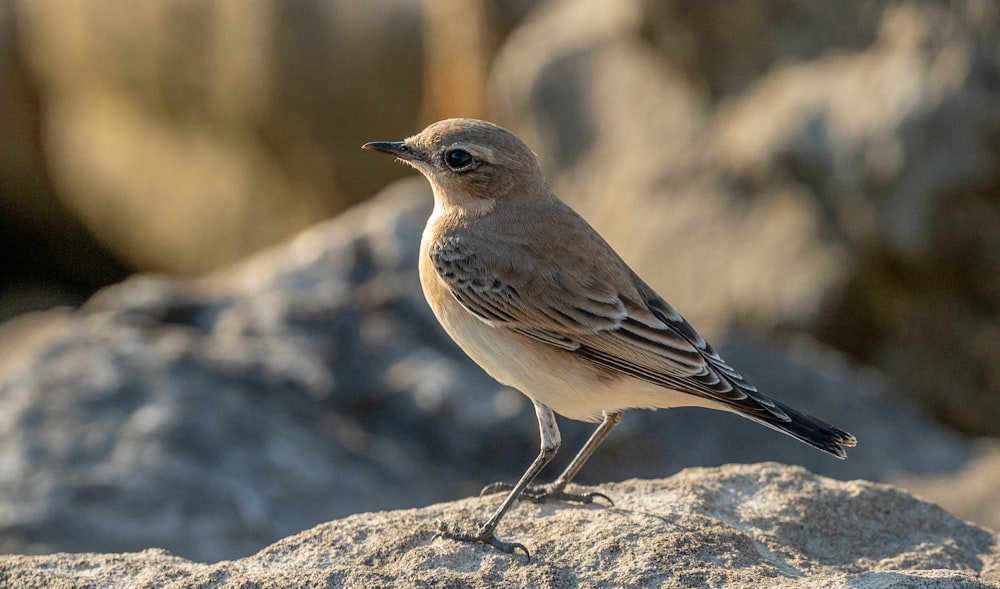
(808, 429)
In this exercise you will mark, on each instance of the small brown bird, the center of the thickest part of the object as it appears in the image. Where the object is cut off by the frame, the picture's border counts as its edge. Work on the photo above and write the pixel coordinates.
(536, 297)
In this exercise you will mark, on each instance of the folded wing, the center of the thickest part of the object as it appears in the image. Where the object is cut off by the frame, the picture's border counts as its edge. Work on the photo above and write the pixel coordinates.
(635, 333)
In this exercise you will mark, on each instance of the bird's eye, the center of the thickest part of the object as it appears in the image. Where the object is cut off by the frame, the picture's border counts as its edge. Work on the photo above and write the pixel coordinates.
(458, 159)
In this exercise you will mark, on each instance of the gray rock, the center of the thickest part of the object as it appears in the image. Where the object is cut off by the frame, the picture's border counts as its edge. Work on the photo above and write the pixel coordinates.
(762, 525)
(212, 418)
(972, 492)
(627, 138)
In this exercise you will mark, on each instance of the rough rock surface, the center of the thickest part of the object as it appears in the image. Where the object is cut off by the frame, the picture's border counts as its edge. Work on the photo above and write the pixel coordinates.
(199, 419)
(311, 382)
(753, 526)
(971, 492)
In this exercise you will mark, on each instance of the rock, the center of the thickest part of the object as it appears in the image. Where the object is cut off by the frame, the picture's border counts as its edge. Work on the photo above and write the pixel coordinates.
(972, 492)
(839, 179)
(163, 408)
(762, 525)
(627, 139)
(920, 216)
(312, 382)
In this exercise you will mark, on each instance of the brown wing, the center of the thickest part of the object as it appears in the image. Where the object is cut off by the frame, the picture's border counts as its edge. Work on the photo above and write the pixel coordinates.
(636, 334)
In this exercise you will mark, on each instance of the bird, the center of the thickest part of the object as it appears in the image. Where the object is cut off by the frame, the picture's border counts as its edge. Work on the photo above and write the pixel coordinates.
(533, 294)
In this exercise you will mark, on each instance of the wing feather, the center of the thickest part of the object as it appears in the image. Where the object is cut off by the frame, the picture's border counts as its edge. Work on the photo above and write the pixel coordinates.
(639, 335)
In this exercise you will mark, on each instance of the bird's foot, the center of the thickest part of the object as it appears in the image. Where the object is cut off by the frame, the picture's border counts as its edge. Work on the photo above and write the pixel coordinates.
(480, 536)
(543, 493)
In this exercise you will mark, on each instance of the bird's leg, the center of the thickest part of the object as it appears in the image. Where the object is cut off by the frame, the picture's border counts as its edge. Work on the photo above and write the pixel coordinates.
(557, 489)
(550, 441)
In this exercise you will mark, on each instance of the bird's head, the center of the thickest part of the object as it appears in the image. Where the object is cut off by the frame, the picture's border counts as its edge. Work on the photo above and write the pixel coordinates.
(469, 163)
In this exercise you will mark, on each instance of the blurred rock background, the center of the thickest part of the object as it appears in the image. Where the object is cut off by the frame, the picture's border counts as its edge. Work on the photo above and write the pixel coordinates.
(815, 185)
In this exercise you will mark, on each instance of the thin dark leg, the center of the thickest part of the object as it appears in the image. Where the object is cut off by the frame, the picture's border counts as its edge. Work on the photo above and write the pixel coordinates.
(549, 446)
(556, 490)
(611, 420)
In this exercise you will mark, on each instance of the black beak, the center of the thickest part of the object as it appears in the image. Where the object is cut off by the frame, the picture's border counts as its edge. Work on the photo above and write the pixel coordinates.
(397, 149)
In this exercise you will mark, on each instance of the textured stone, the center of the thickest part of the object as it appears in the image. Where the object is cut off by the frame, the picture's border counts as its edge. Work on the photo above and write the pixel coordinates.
(763, 525)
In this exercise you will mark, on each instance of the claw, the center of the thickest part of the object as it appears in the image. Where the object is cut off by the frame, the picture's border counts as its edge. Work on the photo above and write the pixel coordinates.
(589, 498)
(551, 495)
(534, 493)
(543, 493)
(481, 536)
